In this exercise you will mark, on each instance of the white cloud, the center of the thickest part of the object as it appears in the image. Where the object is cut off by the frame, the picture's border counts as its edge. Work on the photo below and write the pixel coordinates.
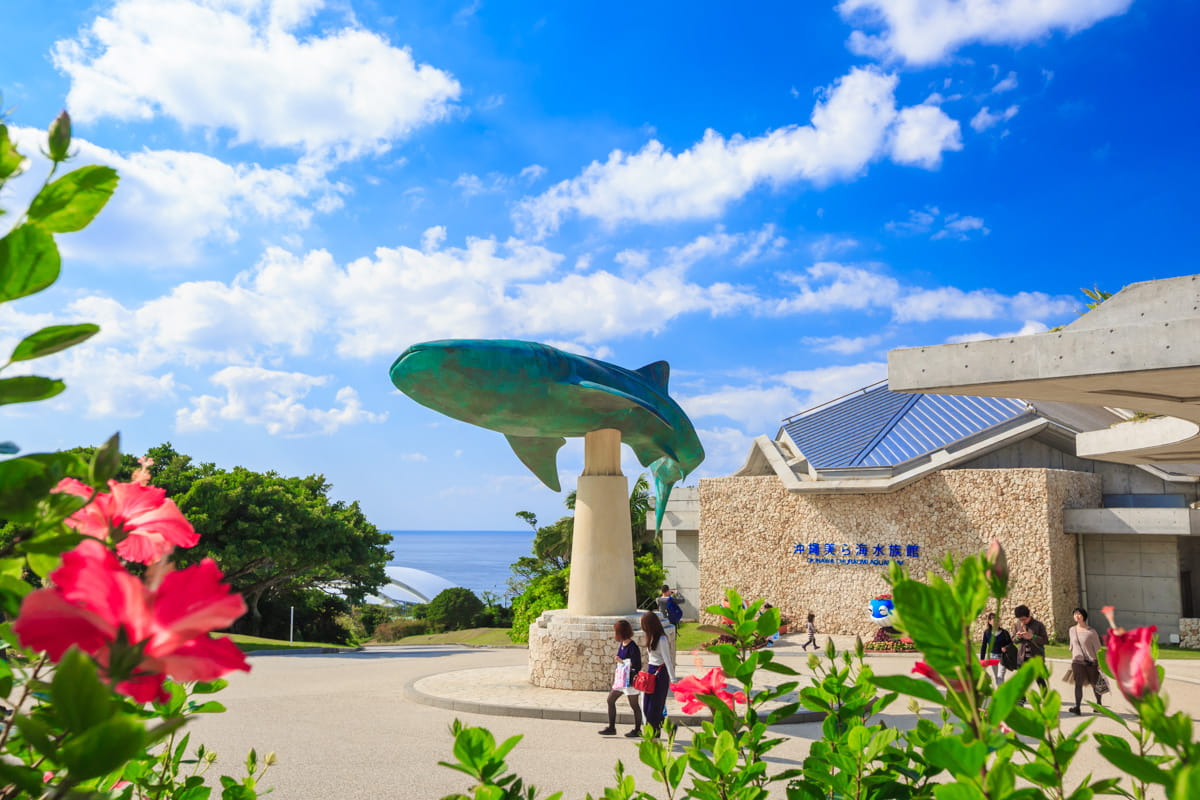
(1027, 329)
(922, 134)
(245, 66)
(854, 123)
(1007, 84)
(985, 119)
(926, 31)
(828, 286)
(170, 204)
(272, 399)
(940, 226)
(845, 345)
(831, 245)
(754, 407)
(961, 228)
(532, 173)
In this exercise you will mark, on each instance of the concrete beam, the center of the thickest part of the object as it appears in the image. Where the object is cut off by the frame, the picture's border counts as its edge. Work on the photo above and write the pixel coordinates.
(1147, 521)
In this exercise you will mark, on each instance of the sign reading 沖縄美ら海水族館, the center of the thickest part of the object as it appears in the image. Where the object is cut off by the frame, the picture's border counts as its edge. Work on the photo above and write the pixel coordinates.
(859, 553)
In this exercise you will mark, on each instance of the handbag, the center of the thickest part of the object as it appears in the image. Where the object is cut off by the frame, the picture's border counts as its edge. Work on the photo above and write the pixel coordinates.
(1069, 675)
(1101, 685)
(621, 674)
(644, 682)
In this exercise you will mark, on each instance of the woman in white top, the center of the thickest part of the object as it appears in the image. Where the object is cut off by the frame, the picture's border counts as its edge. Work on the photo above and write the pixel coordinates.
(662, 665)
(1085, 647)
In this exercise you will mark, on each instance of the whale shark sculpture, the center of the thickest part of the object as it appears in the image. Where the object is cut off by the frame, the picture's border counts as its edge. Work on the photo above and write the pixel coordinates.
(536, 395)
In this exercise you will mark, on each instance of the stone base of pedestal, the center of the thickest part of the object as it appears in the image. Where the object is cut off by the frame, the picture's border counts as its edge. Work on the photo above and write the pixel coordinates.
(577, 653)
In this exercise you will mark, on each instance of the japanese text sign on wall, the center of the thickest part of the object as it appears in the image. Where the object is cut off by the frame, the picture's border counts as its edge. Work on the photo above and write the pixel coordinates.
(872, 554)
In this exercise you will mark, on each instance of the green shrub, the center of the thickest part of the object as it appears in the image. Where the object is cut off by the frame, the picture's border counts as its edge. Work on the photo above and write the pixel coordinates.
(542, 594)
(453, 609)
(371, 617)
(396, 629)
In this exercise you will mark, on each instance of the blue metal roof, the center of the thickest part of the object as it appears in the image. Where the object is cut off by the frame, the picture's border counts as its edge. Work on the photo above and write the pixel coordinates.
(882, 428)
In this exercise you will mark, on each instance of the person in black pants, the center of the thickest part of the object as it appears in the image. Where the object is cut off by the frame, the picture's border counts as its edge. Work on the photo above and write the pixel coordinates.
(623, 633)
(661, 665)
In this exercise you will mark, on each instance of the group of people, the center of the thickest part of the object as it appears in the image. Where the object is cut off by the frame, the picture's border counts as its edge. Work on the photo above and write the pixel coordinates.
(659, 663)
(1029, 639)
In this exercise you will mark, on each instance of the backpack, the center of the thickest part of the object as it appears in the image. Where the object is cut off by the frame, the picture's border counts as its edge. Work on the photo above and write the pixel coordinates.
(674, 612)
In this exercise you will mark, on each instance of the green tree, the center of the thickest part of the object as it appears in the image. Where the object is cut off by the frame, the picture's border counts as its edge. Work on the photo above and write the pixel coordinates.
(272, 534)
(454, 609)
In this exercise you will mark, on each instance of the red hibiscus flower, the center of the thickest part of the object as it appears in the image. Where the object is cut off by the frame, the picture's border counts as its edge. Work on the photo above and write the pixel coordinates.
(137, 634)
(687, 689)
(1130, 658)
(145, 525)
(924, 670)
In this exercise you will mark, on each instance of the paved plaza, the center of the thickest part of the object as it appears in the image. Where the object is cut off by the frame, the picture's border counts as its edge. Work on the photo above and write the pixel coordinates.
(374, 723)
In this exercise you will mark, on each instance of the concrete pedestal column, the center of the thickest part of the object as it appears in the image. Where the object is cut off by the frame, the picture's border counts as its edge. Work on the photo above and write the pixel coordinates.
(602, 545)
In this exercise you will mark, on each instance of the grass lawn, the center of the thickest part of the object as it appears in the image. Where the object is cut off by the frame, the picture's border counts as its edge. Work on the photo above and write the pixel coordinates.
(259, 643)
(479, 637)
(1165, 652)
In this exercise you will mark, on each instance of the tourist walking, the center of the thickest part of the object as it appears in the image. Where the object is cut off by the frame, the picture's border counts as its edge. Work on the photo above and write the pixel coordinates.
(1031, 638)
(661, 664)
(628, 651)
(1085, 663)
(810, 627)
(996, 643)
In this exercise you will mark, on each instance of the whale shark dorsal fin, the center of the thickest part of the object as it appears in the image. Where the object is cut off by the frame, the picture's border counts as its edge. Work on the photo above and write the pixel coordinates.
(657, 373)
(632, 399)
(540, 454)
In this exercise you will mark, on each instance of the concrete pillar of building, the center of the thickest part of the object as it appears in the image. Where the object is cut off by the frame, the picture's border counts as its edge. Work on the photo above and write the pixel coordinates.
(602, 545)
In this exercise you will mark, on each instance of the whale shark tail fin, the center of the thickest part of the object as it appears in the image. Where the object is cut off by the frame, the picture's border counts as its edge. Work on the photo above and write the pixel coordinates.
(666, 472)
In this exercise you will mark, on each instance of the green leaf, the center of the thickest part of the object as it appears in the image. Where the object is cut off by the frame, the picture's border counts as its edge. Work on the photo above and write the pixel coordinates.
(106, 462)
(29, 262)
(103, 748)
(724, 752)
(1139, 767)
(1006, 697)
(80, 699)
(10, 159)
(910, 686)
(52, 339)
(957, 791)
(29, 389)
(74, 200)
(29, 780)
(952, 755)
(209, 687)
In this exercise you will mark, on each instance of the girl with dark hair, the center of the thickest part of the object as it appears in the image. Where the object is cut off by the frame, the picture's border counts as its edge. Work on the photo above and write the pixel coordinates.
(1085, 664)
(623, 633)
(661, 664)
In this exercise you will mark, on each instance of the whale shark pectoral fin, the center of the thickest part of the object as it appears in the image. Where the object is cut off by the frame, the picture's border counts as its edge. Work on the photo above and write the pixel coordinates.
(632, 399)
(657, 373)
(540, 454)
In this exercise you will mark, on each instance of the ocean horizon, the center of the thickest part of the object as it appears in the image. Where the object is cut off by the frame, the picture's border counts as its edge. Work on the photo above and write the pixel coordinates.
(477, 560)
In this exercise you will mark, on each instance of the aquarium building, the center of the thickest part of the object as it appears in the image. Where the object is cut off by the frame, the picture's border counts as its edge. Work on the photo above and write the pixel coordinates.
(816, 513)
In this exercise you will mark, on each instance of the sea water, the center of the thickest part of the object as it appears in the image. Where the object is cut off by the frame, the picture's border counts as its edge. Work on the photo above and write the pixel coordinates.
(478, 560)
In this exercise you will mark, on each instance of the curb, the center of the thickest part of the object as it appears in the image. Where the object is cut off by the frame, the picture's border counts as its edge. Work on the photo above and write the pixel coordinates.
(410, 692)
(303, 651)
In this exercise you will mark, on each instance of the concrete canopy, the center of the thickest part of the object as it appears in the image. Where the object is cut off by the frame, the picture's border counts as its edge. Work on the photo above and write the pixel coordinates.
(1139, 350)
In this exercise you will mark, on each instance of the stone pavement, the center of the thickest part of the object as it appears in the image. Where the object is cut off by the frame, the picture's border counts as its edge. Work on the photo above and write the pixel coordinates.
(374, 724)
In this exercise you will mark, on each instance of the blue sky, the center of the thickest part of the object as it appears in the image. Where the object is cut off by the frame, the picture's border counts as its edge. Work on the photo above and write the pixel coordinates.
(770, 201)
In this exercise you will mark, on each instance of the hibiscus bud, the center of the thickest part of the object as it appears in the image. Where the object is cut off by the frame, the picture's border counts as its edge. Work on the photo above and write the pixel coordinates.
(997, 567)
(60, 137)
(1130, 658)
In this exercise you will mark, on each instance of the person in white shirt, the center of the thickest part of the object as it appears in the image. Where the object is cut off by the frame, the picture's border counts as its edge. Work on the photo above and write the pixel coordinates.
(661, 665)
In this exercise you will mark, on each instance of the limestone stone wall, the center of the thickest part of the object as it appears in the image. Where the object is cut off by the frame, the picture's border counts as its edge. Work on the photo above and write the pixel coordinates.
(750, 526)
(573, 652)
(1189, 632)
